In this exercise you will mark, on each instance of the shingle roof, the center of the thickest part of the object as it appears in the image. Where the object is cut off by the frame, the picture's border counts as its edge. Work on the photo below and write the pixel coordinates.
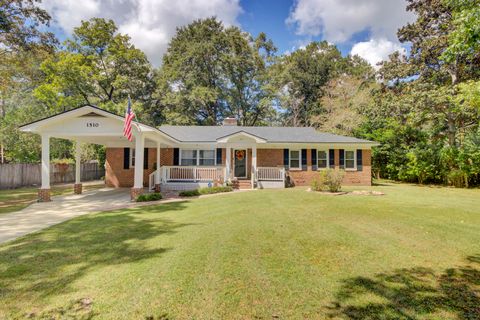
(270, 134)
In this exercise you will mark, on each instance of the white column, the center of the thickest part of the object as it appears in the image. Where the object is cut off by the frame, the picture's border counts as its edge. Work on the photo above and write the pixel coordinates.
(254, 159)
(157, 175)
(228, 160)
(138, 171)
(45, 161)
(77, 162)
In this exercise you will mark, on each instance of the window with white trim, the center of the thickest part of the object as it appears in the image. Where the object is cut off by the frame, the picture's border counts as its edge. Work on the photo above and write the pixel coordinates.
(132, 157)
(349, 159)
(295, 159)
(322, 159)
(206, 157)
(199, 157)
(188, 157)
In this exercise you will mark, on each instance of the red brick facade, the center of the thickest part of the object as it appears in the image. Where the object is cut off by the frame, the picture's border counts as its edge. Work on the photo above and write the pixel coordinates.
(117, 176)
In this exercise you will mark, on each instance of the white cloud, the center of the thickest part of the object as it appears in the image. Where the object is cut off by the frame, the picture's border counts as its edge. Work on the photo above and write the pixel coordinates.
(338, 21)
(150, 23)
(375, 51)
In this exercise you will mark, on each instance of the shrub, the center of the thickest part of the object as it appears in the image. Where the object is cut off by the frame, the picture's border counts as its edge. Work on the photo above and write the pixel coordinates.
(328, 180)
(198, 192)
(215, 190)
(149, 197)
(457, 178)
(317, 184)
(189, 193)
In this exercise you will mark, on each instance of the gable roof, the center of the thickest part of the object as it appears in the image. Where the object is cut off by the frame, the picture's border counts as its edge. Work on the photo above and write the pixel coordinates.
(194, 134)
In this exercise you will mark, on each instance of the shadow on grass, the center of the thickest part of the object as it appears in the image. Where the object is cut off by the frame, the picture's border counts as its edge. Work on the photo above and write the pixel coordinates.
(45, 264)
(412, 293)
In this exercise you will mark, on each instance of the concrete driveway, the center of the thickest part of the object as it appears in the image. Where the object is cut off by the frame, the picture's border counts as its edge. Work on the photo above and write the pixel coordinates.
(41, 215)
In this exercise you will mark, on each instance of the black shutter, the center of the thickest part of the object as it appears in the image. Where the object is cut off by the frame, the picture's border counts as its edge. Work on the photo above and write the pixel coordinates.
(145, 158)
(126, 158)
(219, 156)
(314, 159)
(304, 159)
(176, 156)
(286, 158)
(331, 158)
(342, 159)
(359, 160)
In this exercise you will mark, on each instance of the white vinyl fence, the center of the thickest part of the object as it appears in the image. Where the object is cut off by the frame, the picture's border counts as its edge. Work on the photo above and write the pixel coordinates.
(15, 175)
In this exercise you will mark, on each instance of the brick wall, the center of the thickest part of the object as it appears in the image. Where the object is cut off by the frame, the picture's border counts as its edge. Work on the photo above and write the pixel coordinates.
(116, 176)
(274, 158)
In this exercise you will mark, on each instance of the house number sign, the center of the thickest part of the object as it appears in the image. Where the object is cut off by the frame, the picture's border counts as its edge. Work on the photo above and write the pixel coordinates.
(93, 125)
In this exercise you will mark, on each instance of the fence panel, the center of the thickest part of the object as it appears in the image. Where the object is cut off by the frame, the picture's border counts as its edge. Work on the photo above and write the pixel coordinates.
(15, 175)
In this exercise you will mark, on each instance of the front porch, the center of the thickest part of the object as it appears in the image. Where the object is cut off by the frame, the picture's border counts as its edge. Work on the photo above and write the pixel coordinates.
(179, 178)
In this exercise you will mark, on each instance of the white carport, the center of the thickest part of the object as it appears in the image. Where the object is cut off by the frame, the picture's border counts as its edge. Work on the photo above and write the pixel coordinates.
(89, 124)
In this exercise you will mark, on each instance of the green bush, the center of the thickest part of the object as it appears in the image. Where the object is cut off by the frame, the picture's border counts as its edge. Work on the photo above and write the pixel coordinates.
(215, 190)
(457, 178)
(201, 191)
(149, 197)
(328, 180)
(189, 193)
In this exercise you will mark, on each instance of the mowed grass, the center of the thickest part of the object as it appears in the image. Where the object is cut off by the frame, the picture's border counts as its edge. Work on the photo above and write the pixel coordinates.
(12, 200)
(413, 253)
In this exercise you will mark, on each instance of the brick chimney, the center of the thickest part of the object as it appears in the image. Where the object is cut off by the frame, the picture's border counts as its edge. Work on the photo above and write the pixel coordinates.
(230, 121)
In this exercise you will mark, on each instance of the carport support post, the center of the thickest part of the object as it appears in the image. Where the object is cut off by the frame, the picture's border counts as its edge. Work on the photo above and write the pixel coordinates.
(44, 191)
(138, 170)
(157, 174)
(77, 187)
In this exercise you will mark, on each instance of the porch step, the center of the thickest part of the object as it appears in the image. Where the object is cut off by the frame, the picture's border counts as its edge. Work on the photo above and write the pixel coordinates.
(242, 184)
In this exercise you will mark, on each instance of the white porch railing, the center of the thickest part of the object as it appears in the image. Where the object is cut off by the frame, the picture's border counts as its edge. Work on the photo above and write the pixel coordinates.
(192, 173)
(270, 174)
(187, 174)
(151, 180)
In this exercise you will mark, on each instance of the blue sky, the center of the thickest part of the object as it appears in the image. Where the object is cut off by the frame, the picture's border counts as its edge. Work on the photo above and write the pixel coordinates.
(363, 27)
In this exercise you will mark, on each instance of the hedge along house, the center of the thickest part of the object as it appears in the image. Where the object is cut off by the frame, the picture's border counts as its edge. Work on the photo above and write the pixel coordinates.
(188, 157)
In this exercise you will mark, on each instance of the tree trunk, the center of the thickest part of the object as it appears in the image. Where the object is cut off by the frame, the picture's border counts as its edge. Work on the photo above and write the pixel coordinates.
(452, 127)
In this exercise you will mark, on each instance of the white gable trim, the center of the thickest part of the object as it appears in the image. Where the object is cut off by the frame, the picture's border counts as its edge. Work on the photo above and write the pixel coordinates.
(242, 133)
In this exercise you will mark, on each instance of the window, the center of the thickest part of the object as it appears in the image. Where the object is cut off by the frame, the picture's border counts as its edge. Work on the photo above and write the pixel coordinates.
(197, 157)
(295, 159)
(349, 159)
(132, 157)
(322, 159)
(188, 158)
(207, 157)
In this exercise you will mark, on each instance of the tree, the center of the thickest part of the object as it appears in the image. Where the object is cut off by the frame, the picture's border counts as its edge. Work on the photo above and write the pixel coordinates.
(210, 72)
(22, 45)
(300, 79)
(97, 66)
(19, 26)
(429, 36)
(345, 98)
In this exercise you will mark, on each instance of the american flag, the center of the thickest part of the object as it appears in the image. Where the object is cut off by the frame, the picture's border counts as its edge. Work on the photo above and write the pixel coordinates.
(129, 115)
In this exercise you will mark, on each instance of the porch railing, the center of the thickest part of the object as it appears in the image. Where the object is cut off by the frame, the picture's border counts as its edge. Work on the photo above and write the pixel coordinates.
(270, 174)
(187, 174)
(192, 173)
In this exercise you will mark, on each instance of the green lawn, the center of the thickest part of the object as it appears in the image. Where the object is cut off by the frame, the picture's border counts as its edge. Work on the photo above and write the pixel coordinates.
(16, 199)
(283, 254)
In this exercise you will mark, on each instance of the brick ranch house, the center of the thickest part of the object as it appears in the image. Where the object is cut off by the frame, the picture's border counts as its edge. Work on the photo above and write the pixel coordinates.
(188, 157)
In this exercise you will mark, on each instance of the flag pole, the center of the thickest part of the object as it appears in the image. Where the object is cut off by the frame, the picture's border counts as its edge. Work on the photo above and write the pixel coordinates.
(135, 117)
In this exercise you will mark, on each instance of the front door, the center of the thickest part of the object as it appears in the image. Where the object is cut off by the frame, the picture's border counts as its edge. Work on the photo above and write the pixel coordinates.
(240, 163)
